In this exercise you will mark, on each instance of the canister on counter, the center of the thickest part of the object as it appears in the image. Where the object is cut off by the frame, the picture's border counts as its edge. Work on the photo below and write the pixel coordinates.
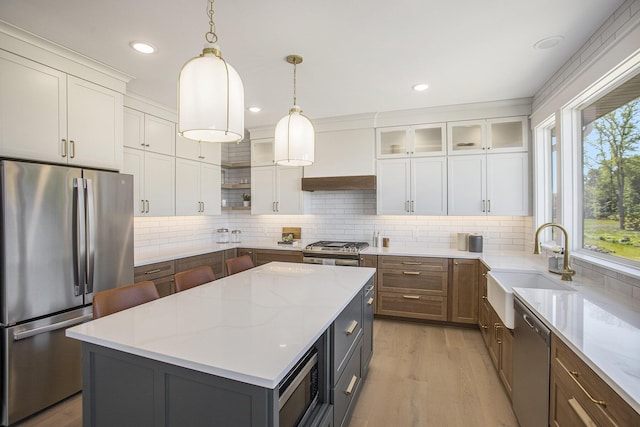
(462, 241)
(235, 236)
(475, 242)
(223, 235)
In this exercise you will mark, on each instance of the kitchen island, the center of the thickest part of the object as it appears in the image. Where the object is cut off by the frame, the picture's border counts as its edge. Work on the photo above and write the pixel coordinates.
(216, 354)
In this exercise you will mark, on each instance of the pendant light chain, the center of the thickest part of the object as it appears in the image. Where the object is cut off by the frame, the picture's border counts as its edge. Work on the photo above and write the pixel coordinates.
(211, 36)
(295, 98)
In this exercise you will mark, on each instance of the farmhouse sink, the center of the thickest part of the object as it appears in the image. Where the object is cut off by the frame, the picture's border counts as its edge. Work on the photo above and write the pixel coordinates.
(500, 293)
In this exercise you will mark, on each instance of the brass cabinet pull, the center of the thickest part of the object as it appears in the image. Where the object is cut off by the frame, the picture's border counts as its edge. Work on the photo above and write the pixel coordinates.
(64, 148)
(484, 297)
(411, 263)
(369, 288)
(370, 301)
(484, 274)
(484, 326)
(488, 205)
(411, 273)
(574, 376)
(351, 386)
(406, 206)
(73, 148)
(411, 296)
(581, 413)
(157, 270)
(496, 328)
(455, 263)
(412, 208)
(352, 327)
(142, 210)
(147, 211)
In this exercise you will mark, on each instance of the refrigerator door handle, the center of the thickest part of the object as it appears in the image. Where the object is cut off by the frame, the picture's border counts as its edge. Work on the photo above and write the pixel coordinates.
(79, 238)
(17, 336)
(91, 239)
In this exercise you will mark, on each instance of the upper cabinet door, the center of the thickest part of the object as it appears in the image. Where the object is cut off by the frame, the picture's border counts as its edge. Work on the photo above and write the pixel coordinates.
(508, 184)
(263, 190)
(187, 148)
(468, 137)
(393, 187)
(393, 142)
(466, 180)
(211, 152)
(429, 140)
(133, 128)
(289, 190)
(94, 124)
(33, 111)
(429, 186)
(262, 152)
(210, 193)
(508, 134)
(159, 135)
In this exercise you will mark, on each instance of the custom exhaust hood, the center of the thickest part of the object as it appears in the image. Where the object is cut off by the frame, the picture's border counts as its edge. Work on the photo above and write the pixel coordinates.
(335, 183)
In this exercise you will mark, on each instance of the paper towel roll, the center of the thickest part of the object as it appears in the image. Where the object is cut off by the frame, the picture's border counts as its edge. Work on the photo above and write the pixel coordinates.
(462, 241)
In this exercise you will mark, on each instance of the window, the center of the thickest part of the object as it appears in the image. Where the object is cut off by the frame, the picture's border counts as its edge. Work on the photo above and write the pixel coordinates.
(611, 173)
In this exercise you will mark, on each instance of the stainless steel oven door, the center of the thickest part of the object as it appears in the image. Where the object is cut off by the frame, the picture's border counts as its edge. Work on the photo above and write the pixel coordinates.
(299, 392)
(331, 261)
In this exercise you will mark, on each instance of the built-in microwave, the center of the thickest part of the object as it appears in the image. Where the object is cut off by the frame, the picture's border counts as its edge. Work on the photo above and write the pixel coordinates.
(298, 391)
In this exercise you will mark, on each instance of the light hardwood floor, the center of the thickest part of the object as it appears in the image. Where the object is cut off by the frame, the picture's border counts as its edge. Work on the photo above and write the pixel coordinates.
(420, 375)
(430, 375)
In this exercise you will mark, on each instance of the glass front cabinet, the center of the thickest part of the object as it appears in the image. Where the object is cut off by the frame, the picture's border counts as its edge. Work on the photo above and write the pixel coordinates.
(411, 141)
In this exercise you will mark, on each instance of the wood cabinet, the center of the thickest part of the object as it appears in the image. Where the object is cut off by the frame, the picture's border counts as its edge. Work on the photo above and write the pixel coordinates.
(414, 287)
(463, 298)
(416, 186)
(405, 141)
(507, 134)
(276, 190)
(495, 184)
(343, 153)
(78, 122)
(483, 304)
(215, 260)
(368, 308)
(372, 262)
(500, 346)
(197, 188)
(150, 133)
(153, 182)
(161, 273)
(264, 256)
(578, 396)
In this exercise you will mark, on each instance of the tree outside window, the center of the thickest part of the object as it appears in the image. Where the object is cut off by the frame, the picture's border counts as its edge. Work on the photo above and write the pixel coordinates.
(611, 173)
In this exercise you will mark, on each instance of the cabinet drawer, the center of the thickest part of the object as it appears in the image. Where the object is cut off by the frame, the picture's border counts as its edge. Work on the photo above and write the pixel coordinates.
(347, 387)
(412, 305)
(154, 271)
(584, 386)
(414, 281)
(347, 329)
(413, 263)
(264, 256)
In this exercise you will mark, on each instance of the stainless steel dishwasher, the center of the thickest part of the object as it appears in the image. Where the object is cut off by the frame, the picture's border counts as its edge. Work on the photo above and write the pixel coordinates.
(531, 354)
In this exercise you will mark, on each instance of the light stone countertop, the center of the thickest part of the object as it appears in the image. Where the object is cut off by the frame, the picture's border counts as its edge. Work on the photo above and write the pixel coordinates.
(602, 327)
(250, 327)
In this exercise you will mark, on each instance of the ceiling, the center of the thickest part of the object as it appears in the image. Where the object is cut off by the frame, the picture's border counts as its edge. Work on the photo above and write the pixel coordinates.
(359, 56)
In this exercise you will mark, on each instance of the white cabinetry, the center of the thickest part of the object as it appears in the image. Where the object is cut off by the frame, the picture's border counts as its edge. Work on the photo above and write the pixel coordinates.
(206, 152)
(197, 188)
(414, 141)
(495, 184)
(262, 152)
(343, 153)
(49, 116)
(276, 190)
(153, 182)
(503, 135)
(149, 133)
(414, 186)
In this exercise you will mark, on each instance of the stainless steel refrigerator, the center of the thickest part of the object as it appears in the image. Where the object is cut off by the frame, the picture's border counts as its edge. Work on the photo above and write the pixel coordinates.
(67, 233)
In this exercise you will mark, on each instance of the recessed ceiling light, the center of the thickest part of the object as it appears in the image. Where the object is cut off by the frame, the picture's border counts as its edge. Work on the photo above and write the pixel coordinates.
(548, 42)
(420, 87)
(142, 47)
(254, 109)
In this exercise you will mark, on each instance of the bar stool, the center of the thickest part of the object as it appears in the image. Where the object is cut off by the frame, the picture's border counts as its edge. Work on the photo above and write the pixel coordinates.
(192, 278)
(118, 299)
(238, 264)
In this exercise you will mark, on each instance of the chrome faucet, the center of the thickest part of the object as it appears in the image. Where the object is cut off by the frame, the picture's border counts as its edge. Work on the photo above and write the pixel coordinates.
(567, 271)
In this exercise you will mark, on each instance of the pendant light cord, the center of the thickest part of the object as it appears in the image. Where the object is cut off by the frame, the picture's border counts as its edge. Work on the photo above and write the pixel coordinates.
(211, 36)
(295, 98)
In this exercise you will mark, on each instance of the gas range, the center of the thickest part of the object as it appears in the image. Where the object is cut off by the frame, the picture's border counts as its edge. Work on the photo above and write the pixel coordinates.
(329, 252)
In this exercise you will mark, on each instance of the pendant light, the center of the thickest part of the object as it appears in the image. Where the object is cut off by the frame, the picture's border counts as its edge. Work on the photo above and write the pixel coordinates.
(210, 95)
(294, 143)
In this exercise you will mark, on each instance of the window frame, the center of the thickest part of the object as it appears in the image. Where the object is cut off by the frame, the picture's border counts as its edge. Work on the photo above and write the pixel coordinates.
(570, 183)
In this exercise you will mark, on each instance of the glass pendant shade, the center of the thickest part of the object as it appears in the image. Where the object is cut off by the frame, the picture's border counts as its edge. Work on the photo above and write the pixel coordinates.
(294, 140)
(210, 99)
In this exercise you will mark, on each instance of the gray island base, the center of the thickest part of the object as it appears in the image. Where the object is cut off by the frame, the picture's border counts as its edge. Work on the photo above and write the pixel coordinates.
(128, 382)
